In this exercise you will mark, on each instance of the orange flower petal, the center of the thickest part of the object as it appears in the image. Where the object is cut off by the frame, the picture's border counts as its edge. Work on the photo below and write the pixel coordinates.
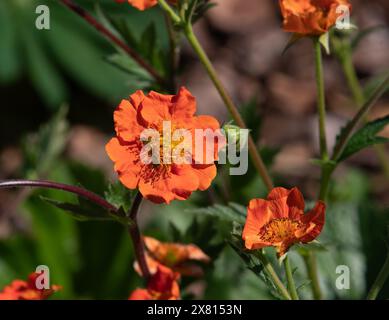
(183, 105)
(125, 116)
(164, 182)
(26, 290)
(178, 184)
(310, 17)
(258, 214)
(280, 222)
(205, 175)
(316, 217)
(155, 109)
(178, 257)
(140, 294)
(126, 162)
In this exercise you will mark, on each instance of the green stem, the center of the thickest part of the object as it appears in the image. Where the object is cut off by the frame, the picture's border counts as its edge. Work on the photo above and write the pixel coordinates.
(192, 39)
(321, 104)
(311, 265)
(289, 277)
(255, 155)
(351, 77)
(380, 281)
(174, 16)
(325, 168)
(271, 272)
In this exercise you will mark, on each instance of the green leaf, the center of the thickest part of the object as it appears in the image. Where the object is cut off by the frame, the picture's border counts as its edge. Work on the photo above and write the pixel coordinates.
(304, 249)
(197, 9)
(41, 150)
(9, 55)
(365, 137)
(79, 212)
(119, 196)
(250, 258)
(231, 213)
(87, 65)
(127, 64)
(43, 73)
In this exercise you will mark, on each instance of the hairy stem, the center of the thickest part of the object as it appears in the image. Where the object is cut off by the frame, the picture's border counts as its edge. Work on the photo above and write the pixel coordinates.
(273, 275)
(289, 278)
(325, 176)
(255, 155)
(108, 34)
(311, 265)
(321, 103)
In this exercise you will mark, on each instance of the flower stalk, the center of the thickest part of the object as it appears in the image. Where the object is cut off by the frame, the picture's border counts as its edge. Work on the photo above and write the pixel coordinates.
(273, 275)
(325, 175)
(253, 150)
(311, 265)
(136, 237)
(289, 278)
(321, 103)
(380, 281)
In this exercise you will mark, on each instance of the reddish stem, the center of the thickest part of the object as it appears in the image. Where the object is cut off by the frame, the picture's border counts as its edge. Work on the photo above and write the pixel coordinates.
(86, 194)
(133, 229)
(60, 186)
(105, 32)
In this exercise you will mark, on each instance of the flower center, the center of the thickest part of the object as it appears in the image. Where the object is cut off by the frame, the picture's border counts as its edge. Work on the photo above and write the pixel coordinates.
(279, 230)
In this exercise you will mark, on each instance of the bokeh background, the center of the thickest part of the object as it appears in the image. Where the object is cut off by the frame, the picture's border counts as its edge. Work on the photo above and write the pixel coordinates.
(58, 89)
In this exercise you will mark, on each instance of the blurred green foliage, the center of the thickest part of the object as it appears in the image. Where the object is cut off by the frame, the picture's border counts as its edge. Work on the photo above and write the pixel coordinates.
(73, 49)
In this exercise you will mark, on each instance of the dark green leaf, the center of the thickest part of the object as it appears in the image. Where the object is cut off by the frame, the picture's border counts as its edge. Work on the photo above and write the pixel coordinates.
(42, 149)
(127, 64)
(80, 212)
(43, 73)
(9, 54)
(119, 196)
(231, 213)
(365, 137)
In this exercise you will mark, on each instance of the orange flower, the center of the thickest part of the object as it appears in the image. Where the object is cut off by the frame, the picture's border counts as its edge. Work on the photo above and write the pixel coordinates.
(27, 290)
(310, 17)
(279, 221)
(162, 286)
(143, 4)
(178, 257)
(170, 179)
